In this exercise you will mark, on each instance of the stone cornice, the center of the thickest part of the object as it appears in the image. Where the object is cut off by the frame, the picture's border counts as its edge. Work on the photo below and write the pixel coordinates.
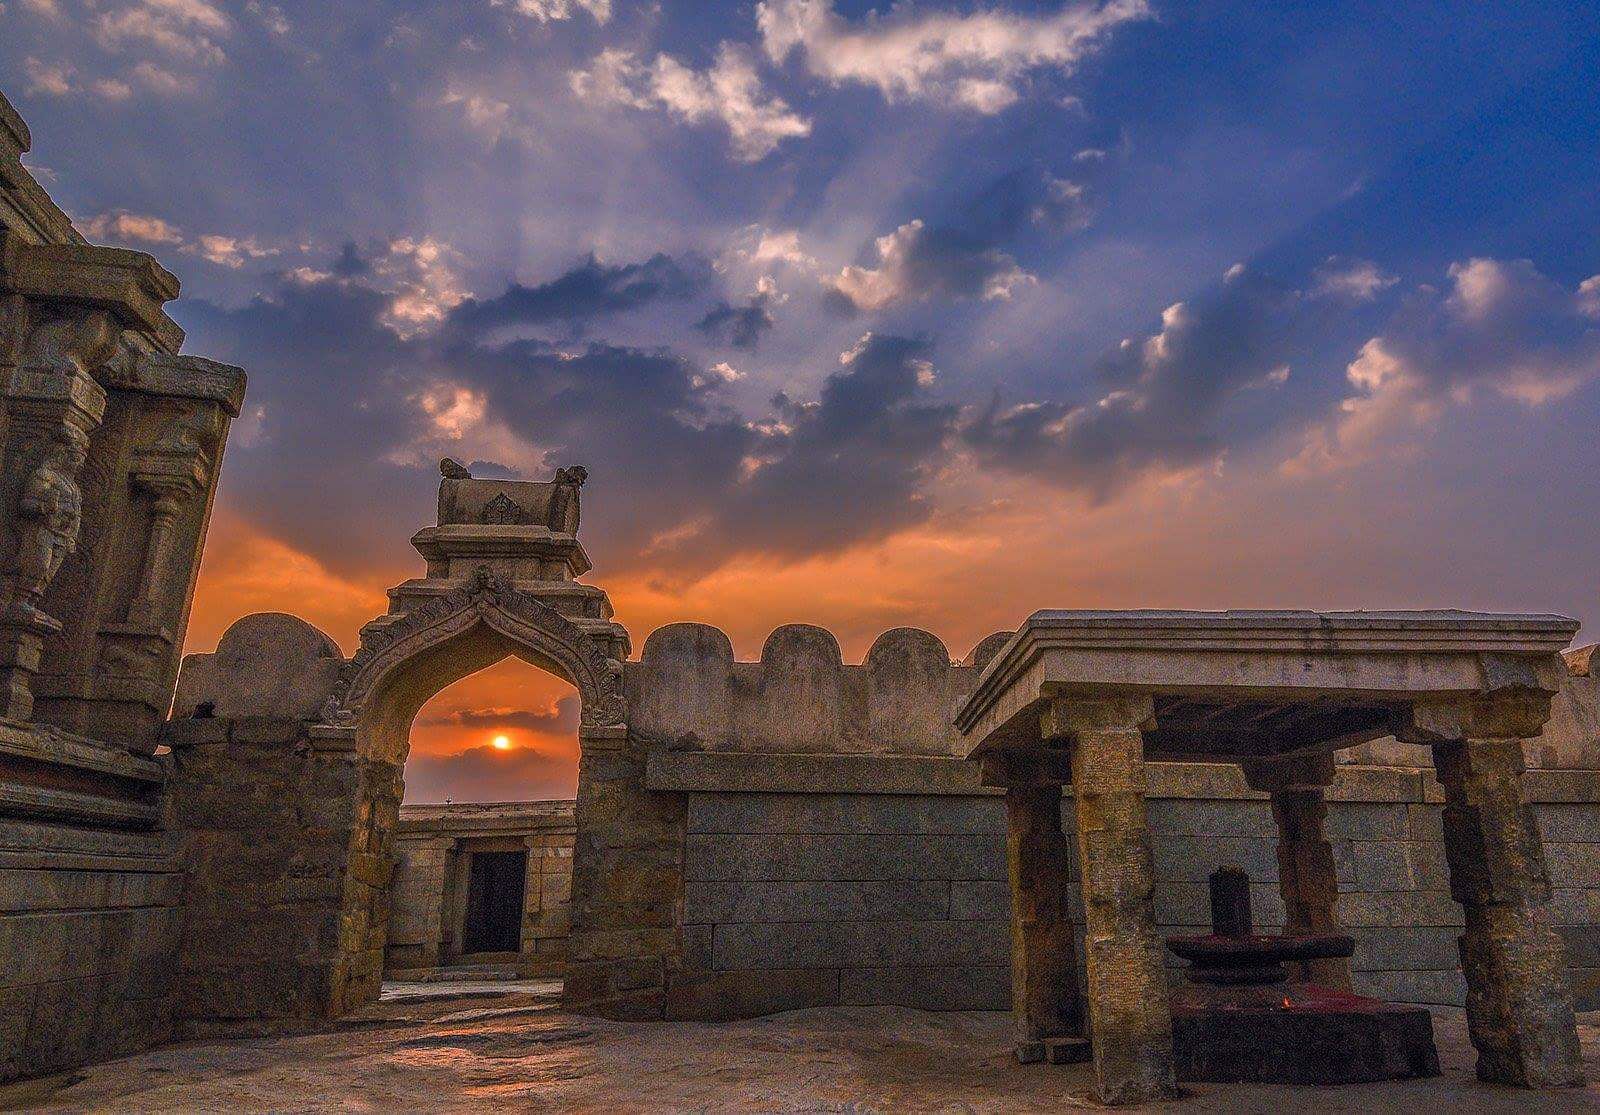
(1169, 651)
(129, 284)
(188, 377)
(14, 135)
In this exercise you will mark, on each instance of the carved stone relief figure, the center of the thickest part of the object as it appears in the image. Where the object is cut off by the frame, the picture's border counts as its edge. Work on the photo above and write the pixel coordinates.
(50, 513)
(75, 343)
(564, 499)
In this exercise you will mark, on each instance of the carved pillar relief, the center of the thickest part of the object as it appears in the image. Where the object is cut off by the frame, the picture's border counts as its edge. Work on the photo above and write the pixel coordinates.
(51, 405)
(147, 495)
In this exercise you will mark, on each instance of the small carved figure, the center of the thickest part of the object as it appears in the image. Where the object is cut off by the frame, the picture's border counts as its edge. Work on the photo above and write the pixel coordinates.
(50, 512)
(564, 499)
(452, 469)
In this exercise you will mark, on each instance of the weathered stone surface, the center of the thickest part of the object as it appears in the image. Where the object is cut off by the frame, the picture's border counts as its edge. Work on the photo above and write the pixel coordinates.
(831, 900)
(1518, 1000)
(739, 856)
(265, 665)
(1045, 999)
(1126, 993)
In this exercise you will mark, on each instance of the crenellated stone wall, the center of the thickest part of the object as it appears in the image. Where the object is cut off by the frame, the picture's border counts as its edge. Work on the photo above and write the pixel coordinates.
(800, 697)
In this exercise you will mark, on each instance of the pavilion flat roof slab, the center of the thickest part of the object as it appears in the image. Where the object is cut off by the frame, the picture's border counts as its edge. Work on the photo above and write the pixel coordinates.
(1255, 656)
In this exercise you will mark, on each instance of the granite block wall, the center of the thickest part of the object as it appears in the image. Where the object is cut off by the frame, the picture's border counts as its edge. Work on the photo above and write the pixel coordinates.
(89, 919)
(795, 898)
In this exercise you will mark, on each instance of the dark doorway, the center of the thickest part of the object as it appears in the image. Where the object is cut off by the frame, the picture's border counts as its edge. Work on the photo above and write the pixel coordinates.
(493, 920)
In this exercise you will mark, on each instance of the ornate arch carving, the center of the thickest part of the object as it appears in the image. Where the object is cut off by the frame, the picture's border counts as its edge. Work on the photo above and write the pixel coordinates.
(519, 616)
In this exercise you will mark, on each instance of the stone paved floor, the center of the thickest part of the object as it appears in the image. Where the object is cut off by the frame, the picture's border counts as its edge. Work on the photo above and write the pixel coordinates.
(512, 1049)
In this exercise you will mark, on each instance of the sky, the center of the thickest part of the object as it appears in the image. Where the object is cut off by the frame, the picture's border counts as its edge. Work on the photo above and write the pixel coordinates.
(864, 315)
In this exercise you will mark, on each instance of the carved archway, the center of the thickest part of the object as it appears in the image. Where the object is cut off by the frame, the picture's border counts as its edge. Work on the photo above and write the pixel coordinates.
(399, 667)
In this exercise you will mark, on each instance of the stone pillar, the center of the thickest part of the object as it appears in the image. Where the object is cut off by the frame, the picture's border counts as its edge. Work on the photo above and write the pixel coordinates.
(1519, 1004)
(1044, 964)
(1130, 1019)
(1306, 876)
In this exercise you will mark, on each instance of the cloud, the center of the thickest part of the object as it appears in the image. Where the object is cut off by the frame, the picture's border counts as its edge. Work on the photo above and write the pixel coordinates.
(1357, 280)
(353, 416)
(1500, 328)
(588, 290)
(1166, 397)
(231, 251)
(549, 11)
(915, 263)
(487, 774)
(763, 247)
(119, 224)
(729, 92)
(742, 326)
(561, 718)
(60, 80)
(187, 29)
(973, 61)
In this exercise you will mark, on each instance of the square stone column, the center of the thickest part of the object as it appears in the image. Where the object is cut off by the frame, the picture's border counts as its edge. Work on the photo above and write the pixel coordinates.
(1130, 1018)
(1045, 1003)
(1519, 1004)
(1306, 876)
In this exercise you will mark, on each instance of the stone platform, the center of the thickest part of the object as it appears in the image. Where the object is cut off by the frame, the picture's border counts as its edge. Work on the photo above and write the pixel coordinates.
(1298, 1034)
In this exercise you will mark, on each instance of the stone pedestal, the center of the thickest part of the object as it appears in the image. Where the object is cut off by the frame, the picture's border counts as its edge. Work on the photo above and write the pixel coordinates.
(1129, 1016)
(1044, 978)
(1519, 1005)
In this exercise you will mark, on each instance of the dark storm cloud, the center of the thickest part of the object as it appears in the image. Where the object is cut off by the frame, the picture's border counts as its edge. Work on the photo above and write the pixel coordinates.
(741, 326)
(589, 290)
(917, 262)
(345, 421)
(847, 467)
(1209, 378)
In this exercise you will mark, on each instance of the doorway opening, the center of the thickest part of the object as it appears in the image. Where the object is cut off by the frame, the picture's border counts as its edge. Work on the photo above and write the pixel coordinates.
(483, 844)
(496, 885)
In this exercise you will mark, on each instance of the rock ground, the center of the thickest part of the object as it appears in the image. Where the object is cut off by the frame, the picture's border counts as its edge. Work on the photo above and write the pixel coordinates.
(510, 1047)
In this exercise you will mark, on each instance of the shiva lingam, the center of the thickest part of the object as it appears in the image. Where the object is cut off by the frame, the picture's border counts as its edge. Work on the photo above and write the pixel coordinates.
(1242, 1018)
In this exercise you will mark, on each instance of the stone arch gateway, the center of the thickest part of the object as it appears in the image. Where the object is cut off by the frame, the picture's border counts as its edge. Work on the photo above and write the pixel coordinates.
(403, 662)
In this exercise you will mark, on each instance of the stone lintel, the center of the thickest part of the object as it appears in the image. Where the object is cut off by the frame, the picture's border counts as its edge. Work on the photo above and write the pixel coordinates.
(71, 392)
(130, 284)
(183, 377)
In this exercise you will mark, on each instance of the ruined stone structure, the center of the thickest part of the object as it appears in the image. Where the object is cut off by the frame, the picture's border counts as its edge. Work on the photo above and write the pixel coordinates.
(1018, 829)
(110, 443)
(480, 889)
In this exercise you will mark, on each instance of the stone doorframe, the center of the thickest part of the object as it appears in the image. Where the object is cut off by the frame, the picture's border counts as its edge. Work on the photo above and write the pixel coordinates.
(403, 662)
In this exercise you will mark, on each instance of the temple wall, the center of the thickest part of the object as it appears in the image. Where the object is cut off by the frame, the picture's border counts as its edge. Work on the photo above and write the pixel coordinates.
(806, 887)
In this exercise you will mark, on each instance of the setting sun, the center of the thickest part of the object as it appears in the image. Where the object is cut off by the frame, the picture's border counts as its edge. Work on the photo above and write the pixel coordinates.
(501, 743)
